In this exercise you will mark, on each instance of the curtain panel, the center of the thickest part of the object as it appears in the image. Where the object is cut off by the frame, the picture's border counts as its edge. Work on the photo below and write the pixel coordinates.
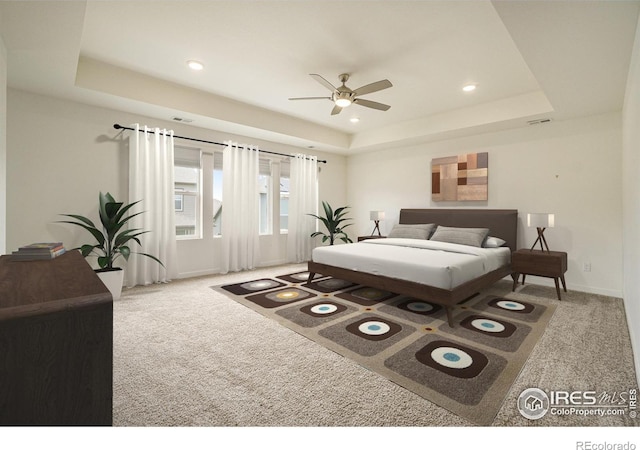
(151, 153)
(240, 207)
(303, 200)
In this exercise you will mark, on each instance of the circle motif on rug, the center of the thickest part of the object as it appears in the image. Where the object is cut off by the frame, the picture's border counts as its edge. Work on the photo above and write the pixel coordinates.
(374, 328)
(324, 308)
(453, 358)
(510, 305)
(333, 283)
(419, 307)
(304, 276)
(260, 285)
(488, 325)
(288, 295)
(369, 293)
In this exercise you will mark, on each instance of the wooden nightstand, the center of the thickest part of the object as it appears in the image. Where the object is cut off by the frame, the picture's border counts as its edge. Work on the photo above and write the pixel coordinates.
(363, 238)
(540, 263)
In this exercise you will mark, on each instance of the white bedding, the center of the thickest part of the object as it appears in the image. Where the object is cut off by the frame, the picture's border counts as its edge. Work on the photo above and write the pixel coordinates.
(438, 264)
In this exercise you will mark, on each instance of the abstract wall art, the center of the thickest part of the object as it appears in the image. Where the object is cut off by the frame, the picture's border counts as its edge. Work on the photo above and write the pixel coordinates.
(460, 178)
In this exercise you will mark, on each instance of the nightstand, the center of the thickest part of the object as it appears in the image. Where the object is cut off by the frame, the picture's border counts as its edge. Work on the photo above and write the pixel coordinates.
(364, 238)
(540, 263)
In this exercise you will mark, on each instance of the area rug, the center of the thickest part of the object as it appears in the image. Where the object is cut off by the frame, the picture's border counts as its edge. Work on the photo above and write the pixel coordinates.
(467, 369)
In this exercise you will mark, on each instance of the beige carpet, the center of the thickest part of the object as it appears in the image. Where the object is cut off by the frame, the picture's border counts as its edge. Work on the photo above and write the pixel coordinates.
(185, 355)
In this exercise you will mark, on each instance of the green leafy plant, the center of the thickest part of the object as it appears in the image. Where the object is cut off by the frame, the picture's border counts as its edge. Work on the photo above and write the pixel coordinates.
(113, 241)
(333, 221)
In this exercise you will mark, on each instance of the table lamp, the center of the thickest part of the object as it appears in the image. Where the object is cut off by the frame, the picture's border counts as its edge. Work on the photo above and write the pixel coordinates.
(376, 216)
(541, 221)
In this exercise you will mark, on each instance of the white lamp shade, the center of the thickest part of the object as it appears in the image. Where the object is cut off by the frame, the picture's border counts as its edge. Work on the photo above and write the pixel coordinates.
(377, 215)
(540, 220)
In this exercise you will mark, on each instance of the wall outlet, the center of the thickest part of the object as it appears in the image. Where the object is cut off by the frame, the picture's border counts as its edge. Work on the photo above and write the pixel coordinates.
(586, 267)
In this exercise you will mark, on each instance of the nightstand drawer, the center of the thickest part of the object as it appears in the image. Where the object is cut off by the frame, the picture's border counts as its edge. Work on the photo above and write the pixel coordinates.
(538, 262)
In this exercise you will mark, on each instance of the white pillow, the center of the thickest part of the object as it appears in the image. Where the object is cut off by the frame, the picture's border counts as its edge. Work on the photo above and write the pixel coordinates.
(493, 242)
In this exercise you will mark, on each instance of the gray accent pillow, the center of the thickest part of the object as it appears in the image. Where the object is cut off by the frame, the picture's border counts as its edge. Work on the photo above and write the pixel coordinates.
(465, 236)
(417, 231)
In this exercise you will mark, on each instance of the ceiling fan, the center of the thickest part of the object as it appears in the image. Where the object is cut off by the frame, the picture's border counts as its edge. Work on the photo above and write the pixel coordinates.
(343, 96)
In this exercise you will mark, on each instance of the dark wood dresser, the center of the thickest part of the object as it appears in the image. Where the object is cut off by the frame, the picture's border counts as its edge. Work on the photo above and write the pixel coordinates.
(56, 343)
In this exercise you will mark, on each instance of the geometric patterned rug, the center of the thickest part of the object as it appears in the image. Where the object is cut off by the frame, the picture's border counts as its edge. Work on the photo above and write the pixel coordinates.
(467, 369)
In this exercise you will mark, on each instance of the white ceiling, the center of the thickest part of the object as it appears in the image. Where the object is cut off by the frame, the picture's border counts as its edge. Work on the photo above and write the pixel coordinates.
(529, 59)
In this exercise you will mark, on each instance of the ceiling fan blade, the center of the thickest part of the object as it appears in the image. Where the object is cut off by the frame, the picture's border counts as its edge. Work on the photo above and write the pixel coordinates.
(336, 110)
(323, 82)
(370, 104)
(310, 98)
(373, 87)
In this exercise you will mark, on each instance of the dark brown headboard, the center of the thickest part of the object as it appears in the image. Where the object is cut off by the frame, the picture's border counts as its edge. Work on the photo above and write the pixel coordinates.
(502, 223)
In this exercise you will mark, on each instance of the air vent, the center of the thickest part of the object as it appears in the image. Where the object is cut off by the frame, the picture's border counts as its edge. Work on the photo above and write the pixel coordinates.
(539, 121)
(181, 119)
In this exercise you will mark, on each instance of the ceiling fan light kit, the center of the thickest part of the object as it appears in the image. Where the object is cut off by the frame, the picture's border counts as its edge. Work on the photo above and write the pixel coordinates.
(342, 100)
(343, 96)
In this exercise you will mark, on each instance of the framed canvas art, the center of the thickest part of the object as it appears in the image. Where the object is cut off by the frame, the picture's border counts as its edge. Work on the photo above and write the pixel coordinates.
(460, 178)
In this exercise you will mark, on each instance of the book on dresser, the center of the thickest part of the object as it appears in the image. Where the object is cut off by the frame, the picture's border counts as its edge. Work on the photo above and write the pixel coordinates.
(38, 251)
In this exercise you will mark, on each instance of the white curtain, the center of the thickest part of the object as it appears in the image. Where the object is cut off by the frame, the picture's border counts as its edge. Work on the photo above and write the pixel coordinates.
(151, 181)
(240, 208)
(303, 200)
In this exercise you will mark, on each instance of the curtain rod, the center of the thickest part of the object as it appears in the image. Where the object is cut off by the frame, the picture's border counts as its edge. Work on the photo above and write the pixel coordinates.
(120, 127)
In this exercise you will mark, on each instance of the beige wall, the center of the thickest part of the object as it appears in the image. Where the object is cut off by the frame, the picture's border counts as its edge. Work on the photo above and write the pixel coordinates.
(572, 169)
(631, 180)
(61, 154)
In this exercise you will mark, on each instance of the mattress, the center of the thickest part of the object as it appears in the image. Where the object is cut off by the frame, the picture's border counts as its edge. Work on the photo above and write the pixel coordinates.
(439, 264)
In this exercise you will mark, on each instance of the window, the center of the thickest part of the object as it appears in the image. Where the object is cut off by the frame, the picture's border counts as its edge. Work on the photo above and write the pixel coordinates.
(179, 202)
(195, 171)
(187, 185)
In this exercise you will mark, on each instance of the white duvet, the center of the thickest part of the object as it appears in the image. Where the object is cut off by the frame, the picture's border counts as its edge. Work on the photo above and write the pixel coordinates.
(433, 263)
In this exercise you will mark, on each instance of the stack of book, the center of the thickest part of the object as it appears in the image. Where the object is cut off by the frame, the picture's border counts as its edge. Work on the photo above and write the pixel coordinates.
(41, 250)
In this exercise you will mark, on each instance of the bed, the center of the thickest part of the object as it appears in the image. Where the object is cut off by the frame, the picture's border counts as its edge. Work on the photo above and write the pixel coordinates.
(439, 272)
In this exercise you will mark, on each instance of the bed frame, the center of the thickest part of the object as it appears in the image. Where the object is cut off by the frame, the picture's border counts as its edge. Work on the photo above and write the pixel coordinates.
(503, 223)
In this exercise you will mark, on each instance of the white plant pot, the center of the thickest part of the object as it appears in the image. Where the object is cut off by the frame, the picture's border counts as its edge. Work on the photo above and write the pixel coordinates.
(113, 280)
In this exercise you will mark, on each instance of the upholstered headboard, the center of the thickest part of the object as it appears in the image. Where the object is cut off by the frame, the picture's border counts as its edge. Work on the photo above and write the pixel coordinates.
(502, 223)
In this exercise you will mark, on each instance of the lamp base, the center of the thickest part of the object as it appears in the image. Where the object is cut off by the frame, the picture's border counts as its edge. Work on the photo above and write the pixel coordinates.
(376, 227)
(541, 240)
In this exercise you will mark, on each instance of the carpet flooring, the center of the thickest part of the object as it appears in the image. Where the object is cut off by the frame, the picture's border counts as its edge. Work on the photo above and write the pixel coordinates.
(188, 355)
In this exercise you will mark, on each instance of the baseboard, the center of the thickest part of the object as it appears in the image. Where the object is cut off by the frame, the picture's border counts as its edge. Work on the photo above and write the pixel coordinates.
(218, 270)
(199, 273)
(573, 287)
(275, 262)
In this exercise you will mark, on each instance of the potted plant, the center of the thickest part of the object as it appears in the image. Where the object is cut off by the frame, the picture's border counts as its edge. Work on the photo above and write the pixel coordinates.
(333, 221)
(113, 240)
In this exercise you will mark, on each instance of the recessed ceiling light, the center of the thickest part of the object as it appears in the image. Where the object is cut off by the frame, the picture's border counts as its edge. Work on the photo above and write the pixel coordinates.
(354, 120)
(469, 88)
(195, 65)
